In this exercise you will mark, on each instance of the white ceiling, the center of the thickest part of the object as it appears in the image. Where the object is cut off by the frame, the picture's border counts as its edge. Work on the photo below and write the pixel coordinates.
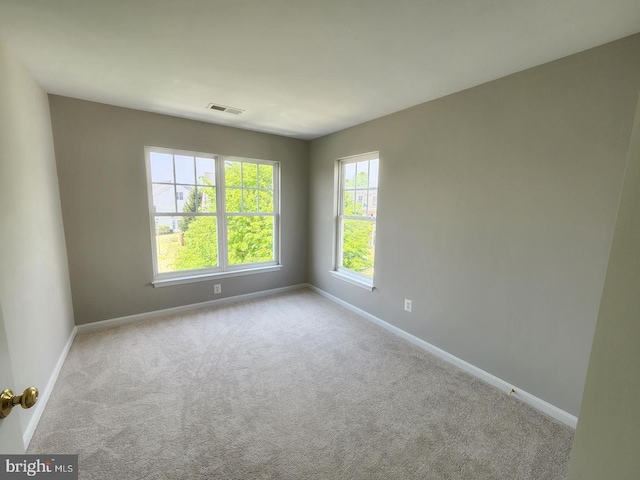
(300, 68)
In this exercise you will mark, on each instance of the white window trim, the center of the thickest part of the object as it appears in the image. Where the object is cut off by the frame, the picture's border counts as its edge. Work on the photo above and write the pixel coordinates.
(354, 279)
(338, 271)
(167, 282)
(223, 270)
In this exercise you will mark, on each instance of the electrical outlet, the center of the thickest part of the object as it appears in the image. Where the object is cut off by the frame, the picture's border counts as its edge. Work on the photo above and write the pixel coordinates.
(407, 304)
(217, 288)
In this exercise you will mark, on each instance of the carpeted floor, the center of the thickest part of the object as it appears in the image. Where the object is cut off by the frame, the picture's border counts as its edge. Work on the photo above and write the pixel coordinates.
(285, 387)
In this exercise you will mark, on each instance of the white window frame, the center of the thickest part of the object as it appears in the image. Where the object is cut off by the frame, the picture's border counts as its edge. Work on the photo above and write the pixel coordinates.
(161, 279)
(339, 271)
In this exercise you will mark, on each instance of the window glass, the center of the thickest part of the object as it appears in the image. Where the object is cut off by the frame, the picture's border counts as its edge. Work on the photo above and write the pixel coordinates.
(189, 209)
(358, 204)
(185, 170)
(161, 168)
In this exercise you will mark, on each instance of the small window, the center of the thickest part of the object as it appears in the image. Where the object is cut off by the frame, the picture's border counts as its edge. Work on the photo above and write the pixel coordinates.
(356, 217)
(211, 213)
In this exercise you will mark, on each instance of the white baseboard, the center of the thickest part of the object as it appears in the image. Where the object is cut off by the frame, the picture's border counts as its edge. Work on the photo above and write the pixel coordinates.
(45, 394)
(506, 387)
(88, 327)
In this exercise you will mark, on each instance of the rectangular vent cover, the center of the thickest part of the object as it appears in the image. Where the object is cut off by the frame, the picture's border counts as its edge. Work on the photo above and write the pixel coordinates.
(223, 108)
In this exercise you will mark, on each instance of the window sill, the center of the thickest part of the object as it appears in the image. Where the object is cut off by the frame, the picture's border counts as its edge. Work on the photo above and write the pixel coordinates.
(353, 280)
(166, 282)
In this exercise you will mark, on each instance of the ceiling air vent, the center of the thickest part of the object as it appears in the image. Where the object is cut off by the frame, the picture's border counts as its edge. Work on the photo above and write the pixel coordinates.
(223, 108)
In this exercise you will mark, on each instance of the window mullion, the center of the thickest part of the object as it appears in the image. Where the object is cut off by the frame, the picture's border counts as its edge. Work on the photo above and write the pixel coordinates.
(195, 185)
(221, 211)
(275, 184)
(342, 188)
(368, 187)
(339, 229)
(184, 214)
(340, 240)
(250, 214)
(175, 186)
(242, 186)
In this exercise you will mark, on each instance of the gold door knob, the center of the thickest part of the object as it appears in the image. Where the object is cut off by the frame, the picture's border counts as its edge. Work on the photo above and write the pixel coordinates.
(8, 400)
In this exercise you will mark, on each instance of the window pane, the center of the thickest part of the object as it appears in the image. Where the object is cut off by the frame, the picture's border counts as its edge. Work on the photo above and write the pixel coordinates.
(205, 171)
(265, 172)
(164, 198)
(361, 202)
(185, 196)
(348, 206)
(362, 177)
(358, 246)
(250, 200)
(186, 243)
(349, 174)
(266, 201)
(206, 199)
(233, 174)
(373, 173)
(250, 239)
(185, 172)
(372, 203)
(233, 200)
(250, 175)
(161, 167)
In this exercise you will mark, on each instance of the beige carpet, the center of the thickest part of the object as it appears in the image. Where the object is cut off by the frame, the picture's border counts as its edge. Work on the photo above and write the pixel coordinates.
(285, 387)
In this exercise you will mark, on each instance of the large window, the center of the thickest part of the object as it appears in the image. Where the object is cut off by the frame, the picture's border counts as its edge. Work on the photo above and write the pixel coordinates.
(211, 214)
(356, 218)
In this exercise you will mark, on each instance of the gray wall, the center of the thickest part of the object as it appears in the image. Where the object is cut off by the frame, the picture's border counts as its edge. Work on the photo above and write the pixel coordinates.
(607, 440)
(34, 279)
(101, 169)
(495, 216)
